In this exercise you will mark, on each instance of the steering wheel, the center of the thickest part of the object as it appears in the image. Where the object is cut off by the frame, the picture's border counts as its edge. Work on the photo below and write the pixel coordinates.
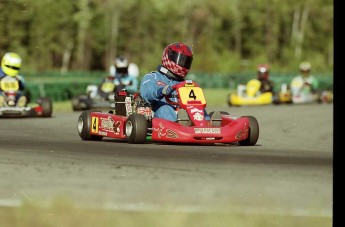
(167, 98)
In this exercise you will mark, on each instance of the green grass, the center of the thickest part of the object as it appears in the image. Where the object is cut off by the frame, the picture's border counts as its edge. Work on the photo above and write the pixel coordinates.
(216, 96)
(63, 213)
(63, 106)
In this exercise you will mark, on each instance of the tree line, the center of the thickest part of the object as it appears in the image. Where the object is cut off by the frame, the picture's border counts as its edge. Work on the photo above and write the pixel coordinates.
(226, 35)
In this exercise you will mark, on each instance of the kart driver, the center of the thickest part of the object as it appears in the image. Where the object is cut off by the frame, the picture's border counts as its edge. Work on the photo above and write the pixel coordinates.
(10, 66)
(263, 76)
(305, 76)
(176, 62)
(121, 77)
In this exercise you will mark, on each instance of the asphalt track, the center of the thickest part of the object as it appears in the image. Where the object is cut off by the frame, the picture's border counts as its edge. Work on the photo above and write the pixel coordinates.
(289, 171)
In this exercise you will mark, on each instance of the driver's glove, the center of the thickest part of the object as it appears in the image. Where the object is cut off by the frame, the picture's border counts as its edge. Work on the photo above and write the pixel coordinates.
(164, 91)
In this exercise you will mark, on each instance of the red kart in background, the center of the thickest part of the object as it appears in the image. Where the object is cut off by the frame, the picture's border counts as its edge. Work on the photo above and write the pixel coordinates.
(132, 120)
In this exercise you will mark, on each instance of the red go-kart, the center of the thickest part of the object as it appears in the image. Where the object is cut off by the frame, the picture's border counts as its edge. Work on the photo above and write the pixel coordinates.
(134, 121)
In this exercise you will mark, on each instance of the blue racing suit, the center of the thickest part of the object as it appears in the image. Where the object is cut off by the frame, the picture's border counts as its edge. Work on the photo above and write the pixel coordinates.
(126, 81)
(149, 87)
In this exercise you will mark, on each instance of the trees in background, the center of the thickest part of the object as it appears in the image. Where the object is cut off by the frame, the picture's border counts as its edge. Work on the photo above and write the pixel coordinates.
(226, 35)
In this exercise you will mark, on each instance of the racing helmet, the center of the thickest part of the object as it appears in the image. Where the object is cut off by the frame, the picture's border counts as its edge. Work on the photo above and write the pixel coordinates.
(11, 63)
(177, 58)
(121, 65)
(305, 67)
(263, 71)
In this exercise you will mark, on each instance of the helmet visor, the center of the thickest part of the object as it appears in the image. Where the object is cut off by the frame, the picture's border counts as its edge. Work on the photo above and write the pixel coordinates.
(122, 70)
(12, 67)
(180, 59)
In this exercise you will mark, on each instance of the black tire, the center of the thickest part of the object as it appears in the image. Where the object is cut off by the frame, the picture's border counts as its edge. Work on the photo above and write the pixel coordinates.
(136, 128)
(76, 103)
(28, 95)
(253, 134)
(84, 127)
(47, 106)
(276, 100)
(229, 100)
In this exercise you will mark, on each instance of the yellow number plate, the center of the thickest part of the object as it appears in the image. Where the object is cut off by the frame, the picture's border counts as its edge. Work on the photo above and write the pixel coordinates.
(9, 84)
(191, 94)
(108, 87)
(94, 122)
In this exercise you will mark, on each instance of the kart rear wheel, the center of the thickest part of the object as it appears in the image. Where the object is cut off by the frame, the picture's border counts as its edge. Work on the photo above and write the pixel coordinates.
(229, 100)
(47, 106)
(76, 103)
(84, 127)
(136, 128)
(253, 134)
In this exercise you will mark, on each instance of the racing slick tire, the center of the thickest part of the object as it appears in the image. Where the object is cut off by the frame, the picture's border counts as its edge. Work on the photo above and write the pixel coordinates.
(76, 103)
(136, 128)
(84, 127)
(47, 106)
(229, 100)
(253, 134)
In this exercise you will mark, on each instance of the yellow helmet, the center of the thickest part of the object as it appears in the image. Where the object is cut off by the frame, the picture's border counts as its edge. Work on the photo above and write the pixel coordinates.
(11, 63)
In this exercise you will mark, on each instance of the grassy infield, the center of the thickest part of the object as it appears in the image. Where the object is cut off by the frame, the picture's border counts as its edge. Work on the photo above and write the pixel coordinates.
(62, 212)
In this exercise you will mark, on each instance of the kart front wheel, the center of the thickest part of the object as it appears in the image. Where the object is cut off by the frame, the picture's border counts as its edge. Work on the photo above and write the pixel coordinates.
(253, 134)
(76, 103)
(136, 128)
(84, 127)
(47, 106)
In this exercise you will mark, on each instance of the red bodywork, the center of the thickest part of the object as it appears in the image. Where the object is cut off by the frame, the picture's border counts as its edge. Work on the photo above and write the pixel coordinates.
(232, 129)
(108, 125)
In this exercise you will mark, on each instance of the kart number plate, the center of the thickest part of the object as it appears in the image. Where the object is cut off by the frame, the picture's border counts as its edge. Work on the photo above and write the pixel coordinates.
(188, 94)
(108, 87)
(9, 84)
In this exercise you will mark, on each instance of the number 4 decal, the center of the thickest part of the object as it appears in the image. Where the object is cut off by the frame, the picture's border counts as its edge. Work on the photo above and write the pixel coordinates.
(192, 95)
(94, 122)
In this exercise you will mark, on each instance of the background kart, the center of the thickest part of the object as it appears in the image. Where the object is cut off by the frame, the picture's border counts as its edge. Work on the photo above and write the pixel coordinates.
(9, 87)
(133, 121)
(96, 97)
(250, 94)
(300, 93)
(284, 95)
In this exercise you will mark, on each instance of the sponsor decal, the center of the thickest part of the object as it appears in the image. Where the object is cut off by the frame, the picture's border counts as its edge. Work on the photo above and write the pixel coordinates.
(168, 134)
(103, 133)
(117, 127)
(196, 110)
(240, 134)
(189, 83)
(160, 129)
(128, 104)
(198, 117)
(14, 108)
(108, 124)
(207, 130)
(160, 83)
(171, 134)
(146, 111)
